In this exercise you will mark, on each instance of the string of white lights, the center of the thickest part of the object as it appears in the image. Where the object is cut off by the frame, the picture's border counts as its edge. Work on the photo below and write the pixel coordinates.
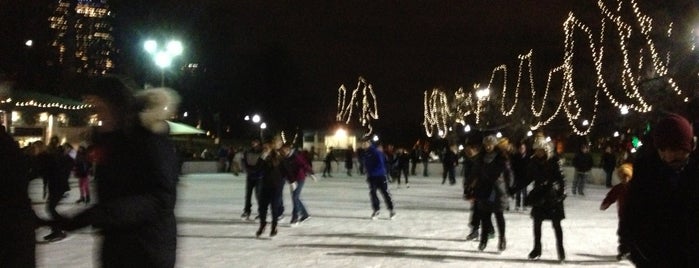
(628, 23)
(369, 105)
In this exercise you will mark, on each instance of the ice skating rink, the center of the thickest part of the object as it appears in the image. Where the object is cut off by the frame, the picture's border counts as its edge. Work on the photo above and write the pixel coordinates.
(429, 230)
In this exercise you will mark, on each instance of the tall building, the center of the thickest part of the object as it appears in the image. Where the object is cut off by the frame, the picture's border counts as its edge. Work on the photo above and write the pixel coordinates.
(83, 40)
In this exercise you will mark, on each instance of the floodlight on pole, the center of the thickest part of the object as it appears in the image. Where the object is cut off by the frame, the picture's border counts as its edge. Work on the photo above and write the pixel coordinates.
(163, 58)
(256, 118)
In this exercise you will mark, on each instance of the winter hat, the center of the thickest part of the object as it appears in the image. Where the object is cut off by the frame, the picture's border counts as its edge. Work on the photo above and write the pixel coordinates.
(156, 106)
(626, 169)
(674, 132)
(490, 140)
(540, 143)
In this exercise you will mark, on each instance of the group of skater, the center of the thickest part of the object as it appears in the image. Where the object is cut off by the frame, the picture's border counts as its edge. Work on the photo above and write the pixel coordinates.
(136, 172)
(657, 205)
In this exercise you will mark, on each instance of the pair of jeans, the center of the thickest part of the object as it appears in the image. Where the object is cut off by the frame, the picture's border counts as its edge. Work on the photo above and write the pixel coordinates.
(250, 186)
(379, 183)
(299, 209)
(579, 182)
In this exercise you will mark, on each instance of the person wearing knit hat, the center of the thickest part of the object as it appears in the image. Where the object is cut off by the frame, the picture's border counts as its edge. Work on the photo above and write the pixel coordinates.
(547, 196)
(674, 138)
(136, 172)
(618, 194)
(491, 176)
(661, 209)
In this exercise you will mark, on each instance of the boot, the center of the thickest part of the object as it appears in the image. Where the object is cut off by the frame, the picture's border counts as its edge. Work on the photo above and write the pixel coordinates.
(484, 241)
(261, 229)
(82, 199)
(273, 232)
(535, 253)
(502, 245)
(561, 253)
(87, 199)
(473, 235)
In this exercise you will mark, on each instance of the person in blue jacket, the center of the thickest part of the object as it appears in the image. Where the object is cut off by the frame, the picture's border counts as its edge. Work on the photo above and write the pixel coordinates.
(376, 177)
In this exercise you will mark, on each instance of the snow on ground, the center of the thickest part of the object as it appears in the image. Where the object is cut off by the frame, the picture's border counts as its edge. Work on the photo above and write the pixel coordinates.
(429, 230)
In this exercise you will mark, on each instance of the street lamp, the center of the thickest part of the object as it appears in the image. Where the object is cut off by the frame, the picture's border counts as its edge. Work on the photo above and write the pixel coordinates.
(263, 126)
(256, 118)
(483, 94)
(163, 58)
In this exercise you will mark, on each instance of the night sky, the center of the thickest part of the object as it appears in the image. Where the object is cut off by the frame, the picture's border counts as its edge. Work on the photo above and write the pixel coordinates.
(286, 59)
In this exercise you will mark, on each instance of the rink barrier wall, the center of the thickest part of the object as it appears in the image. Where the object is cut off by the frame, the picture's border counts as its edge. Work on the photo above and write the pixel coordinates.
(597, 175)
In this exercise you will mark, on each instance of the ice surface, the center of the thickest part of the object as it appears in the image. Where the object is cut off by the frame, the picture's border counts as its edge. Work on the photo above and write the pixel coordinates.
(429, 230)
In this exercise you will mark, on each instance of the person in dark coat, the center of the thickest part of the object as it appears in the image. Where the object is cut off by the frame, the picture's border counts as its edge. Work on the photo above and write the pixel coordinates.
(608, 164)
(472, 152)
(583, 164)
(349, 160)
(414, 158)
(55, 167)
(661, 212)
(520, 161)
(274, 170)
(136, 173)
(253, 174)
(329, 159)
(546, 198)
(17, 236)
(491, 175)
(449, 162)
(402, 164)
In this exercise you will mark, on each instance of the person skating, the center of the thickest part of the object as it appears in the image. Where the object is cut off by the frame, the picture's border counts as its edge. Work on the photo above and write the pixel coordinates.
(546, 198)
(402, 165)
(329, 159)
(299, 169)
(55, 166)
(82, 172)
(471, 151)
(349, 160)
(253, 174)
(274, 170)
(520, 161)
(449, 162)
(583, 164)
(608, 164)
(136, 172)
(17, 235)
(661, 212)
(491, 176)
(376, 178)
(618, 194)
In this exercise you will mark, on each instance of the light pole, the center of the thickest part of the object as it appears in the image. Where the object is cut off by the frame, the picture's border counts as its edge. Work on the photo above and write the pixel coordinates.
(256, 119)
(163, 58)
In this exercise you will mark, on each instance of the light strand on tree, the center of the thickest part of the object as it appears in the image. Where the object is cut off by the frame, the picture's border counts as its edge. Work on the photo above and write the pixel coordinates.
(369, 105)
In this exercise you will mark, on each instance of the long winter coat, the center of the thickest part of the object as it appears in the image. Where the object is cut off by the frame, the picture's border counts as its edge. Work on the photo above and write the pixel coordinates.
(17, 219)
(492, 177)
(661, 214)
(546, 198)
(135, 175)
